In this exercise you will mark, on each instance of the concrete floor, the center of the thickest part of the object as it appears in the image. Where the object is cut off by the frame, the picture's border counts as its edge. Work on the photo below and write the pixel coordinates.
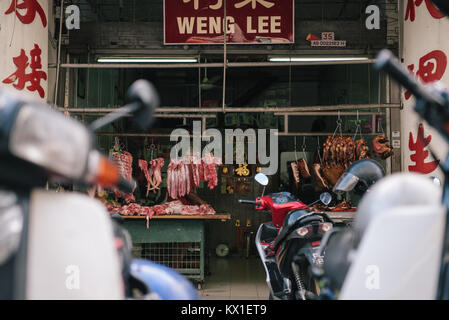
(235, 278)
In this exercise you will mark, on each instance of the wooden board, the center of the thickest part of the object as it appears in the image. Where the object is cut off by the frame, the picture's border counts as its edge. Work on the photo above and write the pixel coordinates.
(222, 217)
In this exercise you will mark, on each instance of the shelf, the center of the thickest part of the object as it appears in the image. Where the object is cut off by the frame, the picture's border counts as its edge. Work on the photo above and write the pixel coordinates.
(222, 217)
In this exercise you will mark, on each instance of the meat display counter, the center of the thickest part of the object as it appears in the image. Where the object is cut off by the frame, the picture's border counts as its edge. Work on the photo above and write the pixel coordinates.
(341, 217)
(176, 241)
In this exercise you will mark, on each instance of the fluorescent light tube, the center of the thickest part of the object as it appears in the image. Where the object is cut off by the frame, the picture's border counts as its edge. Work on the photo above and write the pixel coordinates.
(315, 59)
(147, 60)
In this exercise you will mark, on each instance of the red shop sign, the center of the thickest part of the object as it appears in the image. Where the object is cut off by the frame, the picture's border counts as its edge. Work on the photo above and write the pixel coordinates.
(247, 21)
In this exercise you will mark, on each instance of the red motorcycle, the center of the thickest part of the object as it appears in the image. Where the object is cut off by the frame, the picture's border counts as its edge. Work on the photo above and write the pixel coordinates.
(288, 245)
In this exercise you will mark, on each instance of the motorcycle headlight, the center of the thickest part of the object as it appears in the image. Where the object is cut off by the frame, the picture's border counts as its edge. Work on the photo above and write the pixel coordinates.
(11, 224)
(50, 140)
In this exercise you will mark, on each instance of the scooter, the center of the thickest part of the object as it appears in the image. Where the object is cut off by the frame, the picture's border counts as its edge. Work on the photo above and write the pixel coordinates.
(65, 245)
(398, 247)
(288, 245)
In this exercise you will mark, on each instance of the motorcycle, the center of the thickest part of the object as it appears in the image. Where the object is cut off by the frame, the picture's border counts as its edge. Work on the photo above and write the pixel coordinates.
(384, 256)
(288, 244)
(57, 245)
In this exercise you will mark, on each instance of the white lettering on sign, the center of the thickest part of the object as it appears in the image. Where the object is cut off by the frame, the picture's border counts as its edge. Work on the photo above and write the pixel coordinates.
(264, 3)
(201, 27)
(185, 25)
(213, 25)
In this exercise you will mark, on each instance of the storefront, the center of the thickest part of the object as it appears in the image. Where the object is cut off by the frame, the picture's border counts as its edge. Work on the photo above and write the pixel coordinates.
(300, 70)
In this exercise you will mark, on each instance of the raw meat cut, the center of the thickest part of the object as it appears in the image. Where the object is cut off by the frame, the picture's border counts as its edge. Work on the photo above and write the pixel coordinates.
(184, 175)
(155, 170)
(124, 162)
(210, 173)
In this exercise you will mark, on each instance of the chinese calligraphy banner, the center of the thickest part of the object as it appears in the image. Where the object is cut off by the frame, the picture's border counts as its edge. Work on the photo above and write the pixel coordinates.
(24, 46)
(425, 54)
(247, 21)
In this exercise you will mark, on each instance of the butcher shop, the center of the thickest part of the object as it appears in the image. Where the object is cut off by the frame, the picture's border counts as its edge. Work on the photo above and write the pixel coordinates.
(229, 122)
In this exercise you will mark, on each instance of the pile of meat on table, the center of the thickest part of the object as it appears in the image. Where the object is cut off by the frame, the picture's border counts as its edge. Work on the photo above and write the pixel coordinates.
(172, 207)
(184, 175)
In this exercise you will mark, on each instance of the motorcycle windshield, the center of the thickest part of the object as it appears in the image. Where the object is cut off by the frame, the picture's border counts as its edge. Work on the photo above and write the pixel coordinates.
(347, 182)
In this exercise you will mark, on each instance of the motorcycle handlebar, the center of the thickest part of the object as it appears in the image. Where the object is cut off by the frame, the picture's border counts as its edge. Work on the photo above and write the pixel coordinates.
(387, 62)
(125, 185)
(247, 201)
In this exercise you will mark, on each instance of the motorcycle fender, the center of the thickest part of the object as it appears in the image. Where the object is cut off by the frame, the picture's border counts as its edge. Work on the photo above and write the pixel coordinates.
(273, 278)
(71, 253)
(312, 255)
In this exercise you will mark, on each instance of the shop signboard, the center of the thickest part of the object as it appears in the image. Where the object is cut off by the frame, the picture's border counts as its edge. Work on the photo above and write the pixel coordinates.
(425, 54)
(24, 46)
(247, 21)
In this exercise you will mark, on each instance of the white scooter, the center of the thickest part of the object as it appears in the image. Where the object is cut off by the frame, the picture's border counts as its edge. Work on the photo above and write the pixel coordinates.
(59, 245)
(398, 246)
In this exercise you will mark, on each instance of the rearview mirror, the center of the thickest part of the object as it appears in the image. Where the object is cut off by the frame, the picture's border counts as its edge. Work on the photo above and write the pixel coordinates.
(261, 179)
(325, 198)
(142, 100)
(143, 94)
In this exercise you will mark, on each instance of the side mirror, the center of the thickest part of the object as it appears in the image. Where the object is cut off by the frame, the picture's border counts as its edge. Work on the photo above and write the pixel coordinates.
(325, 198)
(261, 179)
(143, 94)
(142, 100)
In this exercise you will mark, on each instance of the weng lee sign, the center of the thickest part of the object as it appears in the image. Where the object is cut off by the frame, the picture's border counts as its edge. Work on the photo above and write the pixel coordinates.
(247, 21)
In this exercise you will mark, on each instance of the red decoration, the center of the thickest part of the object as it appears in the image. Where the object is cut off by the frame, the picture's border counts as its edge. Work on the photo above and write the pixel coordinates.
(411, 14)
(20, 77)
(420, 154)
(31, 6)
(431, 67)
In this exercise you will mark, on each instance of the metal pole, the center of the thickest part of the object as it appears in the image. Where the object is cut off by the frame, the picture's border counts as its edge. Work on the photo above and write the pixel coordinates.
(250, 109)
(224, 56)
(327, 113)
(281, 134)
(316, 134)
(207, 65)
(58, 63)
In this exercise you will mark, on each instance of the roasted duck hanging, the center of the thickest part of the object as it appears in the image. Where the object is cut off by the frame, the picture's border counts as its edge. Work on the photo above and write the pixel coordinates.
(381, 147)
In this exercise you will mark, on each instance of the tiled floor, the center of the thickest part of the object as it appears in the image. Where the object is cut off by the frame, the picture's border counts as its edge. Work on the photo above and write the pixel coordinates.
(235, 278)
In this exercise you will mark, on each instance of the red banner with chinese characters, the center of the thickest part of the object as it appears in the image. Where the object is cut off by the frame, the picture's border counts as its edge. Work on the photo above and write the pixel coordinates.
(425, 54)
(24, 46)
(247, 21)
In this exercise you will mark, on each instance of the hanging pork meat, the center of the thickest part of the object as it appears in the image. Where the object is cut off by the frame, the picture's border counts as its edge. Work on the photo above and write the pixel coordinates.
(184, 175)
(210, 172)
(152, 174)
(155, 171)
(124, 162)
